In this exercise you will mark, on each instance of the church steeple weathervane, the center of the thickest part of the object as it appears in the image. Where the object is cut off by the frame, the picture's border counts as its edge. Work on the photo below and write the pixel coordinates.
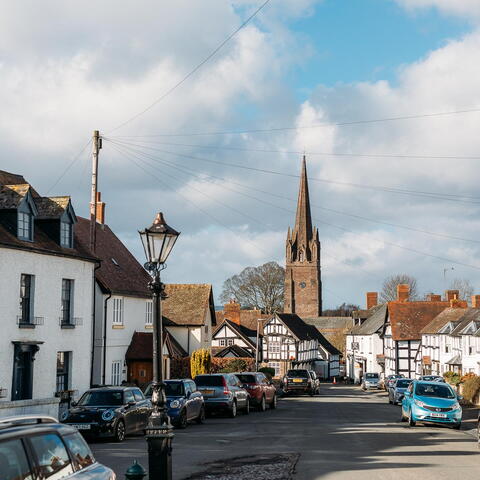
(303, 288)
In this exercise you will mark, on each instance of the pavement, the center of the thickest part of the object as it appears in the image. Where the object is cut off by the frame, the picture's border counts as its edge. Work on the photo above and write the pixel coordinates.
(342, 434)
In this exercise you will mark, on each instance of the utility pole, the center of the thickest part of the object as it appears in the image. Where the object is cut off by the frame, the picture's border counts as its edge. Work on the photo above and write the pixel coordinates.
(96, 146)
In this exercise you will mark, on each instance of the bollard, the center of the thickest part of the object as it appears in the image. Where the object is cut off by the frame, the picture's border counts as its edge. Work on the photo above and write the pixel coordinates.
(135, 472)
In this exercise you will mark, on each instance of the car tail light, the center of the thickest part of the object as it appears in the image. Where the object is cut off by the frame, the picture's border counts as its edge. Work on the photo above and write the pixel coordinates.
(225, 387)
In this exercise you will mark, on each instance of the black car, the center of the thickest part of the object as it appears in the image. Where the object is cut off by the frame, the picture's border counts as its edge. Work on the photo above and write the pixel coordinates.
(109, 411)
(298, 381)
(35, 447)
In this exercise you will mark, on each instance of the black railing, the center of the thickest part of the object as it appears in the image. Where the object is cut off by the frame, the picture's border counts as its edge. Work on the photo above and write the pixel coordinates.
(31, 322)
(70, 322)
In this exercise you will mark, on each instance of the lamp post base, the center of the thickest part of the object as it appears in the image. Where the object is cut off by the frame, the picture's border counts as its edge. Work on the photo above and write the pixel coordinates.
(159, 440)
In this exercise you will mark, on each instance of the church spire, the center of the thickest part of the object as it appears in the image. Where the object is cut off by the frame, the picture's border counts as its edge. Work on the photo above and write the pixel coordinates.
(303, 230)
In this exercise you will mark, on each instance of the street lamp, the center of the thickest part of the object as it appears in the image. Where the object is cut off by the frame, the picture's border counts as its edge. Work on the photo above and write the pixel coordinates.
(158, 241)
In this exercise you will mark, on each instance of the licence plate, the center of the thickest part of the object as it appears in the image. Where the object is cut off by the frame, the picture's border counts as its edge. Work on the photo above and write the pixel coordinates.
(297, 380)
(207, 392)
(81, 426)
(439, 415)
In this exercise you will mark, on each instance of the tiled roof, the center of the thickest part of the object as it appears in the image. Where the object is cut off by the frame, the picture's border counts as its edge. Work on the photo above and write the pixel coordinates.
(373, 324)
(141, 346)
(235, 349)
(248, 318)
(326, 323)
(51, 207)
(12, 195)
(188, 304)
(407, 319)
(450, 315)
(119, 273)
(248, 335)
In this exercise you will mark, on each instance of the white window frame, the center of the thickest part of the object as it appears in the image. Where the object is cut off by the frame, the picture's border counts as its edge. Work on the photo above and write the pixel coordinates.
(276, 366)
(149, 312)
(273, 347)
(117, 311)
(116, 373)
(222, 342)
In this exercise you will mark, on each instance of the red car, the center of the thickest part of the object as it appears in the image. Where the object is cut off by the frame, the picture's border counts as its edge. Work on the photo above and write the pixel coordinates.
(261, 390)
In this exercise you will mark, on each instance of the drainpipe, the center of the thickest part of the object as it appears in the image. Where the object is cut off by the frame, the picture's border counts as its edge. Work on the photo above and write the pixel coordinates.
(94, 318)
(104, 343)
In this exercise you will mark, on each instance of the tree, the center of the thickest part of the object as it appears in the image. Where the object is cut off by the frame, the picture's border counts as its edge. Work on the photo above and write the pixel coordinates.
(200, 362)
(389, 288)
(464, 287)
(257, 287)
(343, 310)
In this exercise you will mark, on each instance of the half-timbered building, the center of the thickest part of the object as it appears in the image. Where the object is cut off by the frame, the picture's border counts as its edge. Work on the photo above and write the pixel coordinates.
(229, 333)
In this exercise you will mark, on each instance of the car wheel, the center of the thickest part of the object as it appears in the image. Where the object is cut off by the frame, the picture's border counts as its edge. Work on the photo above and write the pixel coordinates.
(182, 421)
(478, 434)
(411, 421)
(119, 433)
(273, 403)
(262, 405)
(233, 410)
(389, 400)
(246, 410)
(457, 426)
(201, 416)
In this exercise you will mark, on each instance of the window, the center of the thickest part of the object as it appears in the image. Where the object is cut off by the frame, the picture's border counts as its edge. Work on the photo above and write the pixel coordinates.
(447, 348)
(66, 234)
(230, 341)
(26, 298)
(67, 302)
(53, 460)
(222, 342)
(276, 366)
(14, 461)
(116, 372)
(470, 350)
(118, 311)
(82, 455)
(128, 396)
(138, 395)
(63, 369)
(149, 313)
(25, 226)
(274, 347)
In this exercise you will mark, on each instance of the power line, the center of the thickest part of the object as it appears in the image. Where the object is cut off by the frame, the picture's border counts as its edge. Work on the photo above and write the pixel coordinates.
(301, 127)
(423, 194)
(189, 74)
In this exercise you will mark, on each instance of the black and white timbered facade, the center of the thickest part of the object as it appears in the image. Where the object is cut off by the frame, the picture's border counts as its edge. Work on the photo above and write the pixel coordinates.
(232, 334)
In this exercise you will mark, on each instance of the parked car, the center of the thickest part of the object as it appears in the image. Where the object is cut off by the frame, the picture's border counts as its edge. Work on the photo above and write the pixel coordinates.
(371, 380)
(397, 390)
(431, 402)
(388, 381)
(298, 381)
(315, 381)
(261, 390)
(109, 411)
(38, 447)
(184, 402)
(223, 392)
(432, 378)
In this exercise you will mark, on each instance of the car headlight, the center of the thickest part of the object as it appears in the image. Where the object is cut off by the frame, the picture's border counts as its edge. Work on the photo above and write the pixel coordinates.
(420, 403)
(64, 416)
(107, 415)
(455, 406)
(175, 404)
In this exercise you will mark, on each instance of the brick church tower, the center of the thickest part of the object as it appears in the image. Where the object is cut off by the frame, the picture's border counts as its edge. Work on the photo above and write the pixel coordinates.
(303, 284)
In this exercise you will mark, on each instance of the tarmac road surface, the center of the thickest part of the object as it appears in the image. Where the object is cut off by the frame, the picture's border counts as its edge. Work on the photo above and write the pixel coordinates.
(342, 434)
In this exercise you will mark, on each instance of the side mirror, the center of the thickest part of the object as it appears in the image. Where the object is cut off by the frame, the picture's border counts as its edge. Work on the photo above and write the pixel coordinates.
(131, 403)
(459, 397)
(73, 404)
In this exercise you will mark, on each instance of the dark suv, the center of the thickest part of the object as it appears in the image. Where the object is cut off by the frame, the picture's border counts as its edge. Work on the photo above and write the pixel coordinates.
(298, 381)
(37, 447)
(109, 411)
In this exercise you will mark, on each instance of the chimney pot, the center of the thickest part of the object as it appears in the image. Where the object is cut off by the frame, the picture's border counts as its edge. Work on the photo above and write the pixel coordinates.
(403, 292)
(100, 206)
(451, 295)
(231, 311)
(432, 297)
(475, 301)
(372, 300)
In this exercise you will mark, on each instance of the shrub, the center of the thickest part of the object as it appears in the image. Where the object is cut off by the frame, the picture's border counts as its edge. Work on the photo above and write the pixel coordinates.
(235, 365)
(471, 387)
(229, 365)
(200, 362)
(268, 371)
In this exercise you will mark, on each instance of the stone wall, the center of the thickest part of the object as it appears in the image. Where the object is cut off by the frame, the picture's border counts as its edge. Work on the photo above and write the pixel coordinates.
(44, 406)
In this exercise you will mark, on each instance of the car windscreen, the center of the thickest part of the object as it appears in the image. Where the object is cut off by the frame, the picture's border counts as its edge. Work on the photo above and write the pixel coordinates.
(209, 380)
(438, 390)
(245, 378)
(403, 383)
(371, 375)
(298, 374)
(174, 389)
(101, 398)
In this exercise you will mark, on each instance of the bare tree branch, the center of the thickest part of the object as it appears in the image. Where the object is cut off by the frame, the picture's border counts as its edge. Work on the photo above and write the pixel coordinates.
(389, 288)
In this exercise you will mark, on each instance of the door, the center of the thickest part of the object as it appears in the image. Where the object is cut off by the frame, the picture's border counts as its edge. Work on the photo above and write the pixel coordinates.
(22, 373)
(240, 394)
(131, 412)
(140, 373)
(143, 409)
(195, 400)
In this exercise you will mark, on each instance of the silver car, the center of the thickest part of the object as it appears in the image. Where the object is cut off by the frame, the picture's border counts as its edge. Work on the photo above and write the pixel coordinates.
(37, 447)
(397, 390)
(371, 380)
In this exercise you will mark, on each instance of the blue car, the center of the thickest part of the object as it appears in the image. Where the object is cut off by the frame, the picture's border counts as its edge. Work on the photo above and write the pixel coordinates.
(431, 402)
(397, 390)
(184, 402)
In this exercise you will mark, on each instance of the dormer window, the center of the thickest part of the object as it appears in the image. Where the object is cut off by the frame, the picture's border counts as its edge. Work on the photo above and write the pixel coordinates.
(25, 226)
(66, 234)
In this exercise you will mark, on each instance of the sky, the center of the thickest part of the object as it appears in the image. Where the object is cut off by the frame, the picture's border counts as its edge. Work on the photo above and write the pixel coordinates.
(220, 155)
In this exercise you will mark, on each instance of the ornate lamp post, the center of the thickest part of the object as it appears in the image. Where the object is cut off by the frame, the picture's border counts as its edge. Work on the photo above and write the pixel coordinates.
(158, 241)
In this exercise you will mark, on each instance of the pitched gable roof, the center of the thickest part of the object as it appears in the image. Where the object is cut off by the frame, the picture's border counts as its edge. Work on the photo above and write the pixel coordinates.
(372, 324)
(407, 319)
(232, 350)
(188, 304)
(120, 272)
(330, 323)
(245, 333)
(53, 207)
(450, 315)
(141, 346)
(296, 325)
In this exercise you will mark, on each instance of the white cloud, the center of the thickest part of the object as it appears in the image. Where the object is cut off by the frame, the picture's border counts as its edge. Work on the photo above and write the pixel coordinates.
(464, 8)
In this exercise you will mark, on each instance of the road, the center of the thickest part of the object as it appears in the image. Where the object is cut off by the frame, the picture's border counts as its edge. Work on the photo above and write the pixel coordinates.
(342, 434)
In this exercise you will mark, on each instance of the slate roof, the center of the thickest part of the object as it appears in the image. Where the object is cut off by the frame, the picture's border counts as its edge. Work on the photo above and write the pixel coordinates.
(327, 323)
(120, 272)
(407, 319)
(7, 178)
(235, 349)
(188, 304)
(12, 195)
(372, 324)
(141, 346)
(460, 317)
(51, 207)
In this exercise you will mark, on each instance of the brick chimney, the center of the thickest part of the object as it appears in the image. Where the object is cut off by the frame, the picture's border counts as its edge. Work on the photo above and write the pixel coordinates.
(475, 301)
(431, 297)
(372, 300)
(451, 294)
(100, 206)
(403, 292)
(455, 303)
(231, 311)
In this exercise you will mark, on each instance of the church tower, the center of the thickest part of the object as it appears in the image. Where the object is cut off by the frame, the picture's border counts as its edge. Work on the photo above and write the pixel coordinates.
(303, 284)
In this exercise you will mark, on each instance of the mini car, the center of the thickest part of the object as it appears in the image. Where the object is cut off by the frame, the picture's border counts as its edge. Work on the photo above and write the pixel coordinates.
(431, 402)
(38, 447)
(184, 402)
(109, 411)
